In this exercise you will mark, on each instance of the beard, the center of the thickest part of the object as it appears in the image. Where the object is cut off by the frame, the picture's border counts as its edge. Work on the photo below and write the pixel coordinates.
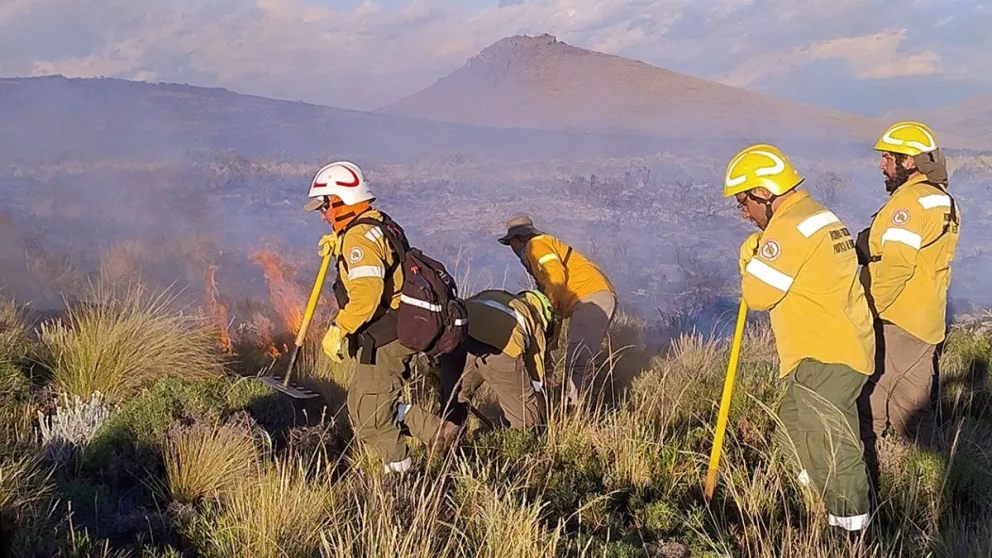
(898, 179)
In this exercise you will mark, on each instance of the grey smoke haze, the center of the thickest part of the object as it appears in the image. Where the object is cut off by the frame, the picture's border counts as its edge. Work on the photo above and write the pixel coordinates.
(160, 178)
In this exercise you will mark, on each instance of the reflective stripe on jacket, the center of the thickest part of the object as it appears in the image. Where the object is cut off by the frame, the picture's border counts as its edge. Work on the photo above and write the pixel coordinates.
(510, 324)
(908, 280)
(806, 274)
(365, 260)
(562, 273)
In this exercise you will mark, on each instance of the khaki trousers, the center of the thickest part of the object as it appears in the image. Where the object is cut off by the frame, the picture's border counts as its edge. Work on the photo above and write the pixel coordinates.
(465, 369)
(900, 392)
(590, 320)
(376, 411)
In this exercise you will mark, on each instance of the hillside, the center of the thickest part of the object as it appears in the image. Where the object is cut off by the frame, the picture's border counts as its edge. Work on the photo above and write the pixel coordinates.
(55, 118)
(540, 82)
(971, 117)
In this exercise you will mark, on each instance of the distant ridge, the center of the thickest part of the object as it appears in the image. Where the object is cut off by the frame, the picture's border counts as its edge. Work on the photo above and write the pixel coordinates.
(541, 82)
(971, 117)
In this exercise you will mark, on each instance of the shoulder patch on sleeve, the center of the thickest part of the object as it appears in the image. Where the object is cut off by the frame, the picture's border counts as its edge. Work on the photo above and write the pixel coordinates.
(770, 250)
(900, 216)
(355, 255)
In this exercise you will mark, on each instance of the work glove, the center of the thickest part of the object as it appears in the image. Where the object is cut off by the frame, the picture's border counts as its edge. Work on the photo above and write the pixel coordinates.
(333, 343)
(748, 249)
(328, 245)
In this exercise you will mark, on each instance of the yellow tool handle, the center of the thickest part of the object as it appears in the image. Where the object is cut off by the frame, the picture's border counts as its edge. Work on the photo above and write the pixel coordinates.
(312, 302)
(728, 389)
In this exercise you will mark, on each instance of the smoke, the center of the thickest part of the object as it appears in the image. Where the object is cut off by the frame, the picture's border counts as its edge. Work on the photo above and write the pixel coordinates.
(181, 193)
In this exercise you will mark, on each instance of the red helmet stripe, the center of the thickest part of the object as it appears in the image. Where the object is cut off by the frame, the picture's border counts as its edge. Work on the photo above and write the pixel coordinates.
(354, 179)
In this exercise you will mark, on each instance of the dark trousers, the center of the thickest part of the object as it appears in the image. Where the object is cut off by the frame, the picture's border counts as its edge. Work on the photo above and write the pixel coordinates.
(820, 416)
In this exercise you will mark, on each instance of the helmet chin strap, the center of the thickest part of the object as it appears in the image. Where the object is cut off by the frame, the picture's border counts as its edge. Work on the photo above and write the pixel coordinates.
(765, 202)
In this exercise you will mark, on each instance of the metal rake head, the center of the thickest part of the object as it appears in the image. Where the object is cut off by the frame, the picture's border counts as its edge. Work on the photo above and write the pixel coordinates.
(291, 389)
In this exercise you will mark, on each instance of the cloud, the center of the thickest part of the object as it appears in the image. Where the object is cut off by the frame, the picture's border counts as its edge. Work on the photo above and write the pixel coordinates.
(372, 53)
(875, 56)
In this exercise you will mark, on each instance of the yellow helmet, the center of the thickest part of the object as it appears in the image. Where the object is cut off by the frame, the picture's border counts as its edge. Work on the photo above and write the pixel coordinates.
(760, 165)
(907, 137)
(540, 302)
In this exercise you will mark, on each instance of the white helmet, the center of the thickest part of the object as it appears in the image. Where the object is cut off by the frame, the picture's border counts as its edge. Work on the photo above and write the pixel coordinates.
(342, 179)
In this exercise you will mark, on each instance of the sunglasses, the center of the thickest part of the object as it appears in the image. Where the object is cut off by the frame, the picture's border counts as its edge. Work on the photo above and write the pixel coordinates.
(328, 204)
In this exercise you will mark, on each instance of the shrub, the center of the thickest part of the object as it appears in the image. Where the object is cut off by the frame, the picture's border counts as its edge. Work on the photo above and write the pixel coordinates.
(129, 436)
(71, 426)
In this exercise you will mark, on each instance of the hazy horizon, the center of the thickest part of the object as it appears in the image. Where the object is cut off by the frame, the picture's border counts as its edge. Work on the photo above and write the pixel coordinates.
(861, 57)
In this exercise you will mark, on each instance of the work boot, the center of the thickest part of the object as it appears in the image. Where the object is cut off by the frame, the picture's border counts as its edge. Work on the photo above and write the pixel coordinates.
(446, 436)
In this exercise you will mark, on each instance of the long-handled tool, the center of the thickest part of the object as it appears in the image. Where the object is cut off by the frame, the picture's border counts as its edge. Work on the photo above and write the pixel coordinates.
(283, 384)
(728, 389)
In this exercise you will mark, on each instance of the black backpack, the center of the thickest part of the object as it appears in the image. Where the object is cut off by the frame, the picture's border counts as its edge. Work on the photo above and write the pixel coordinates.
(431, 317)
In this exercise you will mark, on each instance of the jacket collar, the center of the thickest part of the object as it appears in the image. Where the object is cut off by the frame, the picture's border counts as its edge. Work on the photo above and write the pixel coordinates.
(788, 203)
(915, 179)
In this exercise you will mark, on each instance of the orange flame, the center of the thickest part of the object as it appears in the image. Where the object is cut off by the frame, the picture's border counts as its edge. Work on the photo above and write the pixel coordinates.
(215, 308)
(286, 296)
(263, 325)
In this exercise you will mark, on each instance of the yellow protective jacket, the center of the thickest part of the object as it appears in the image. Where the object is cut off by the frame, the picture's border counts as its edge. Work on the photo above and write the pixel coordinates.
(365, 258)
(510, 324)
(910, 253)
(562, 273)
(806, 273)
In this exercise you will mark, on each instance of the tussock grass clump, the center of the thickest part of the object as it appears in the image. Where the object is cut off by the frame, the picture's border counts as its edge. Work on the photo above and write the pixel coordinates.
(278, 513)
(205, 460)
(17, 400)
(386, 516)
(24, 487)
(117, 342)
(498, 518)
(14, 343)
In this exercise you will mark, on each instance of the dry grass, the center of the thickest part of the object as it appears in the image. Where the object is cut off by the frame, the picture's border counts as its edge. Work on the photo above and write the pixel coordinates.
(117, 342)
(17, 405)
(498, 517)
(208, 461)
(608, 481)
(278, 513)
(22, 483)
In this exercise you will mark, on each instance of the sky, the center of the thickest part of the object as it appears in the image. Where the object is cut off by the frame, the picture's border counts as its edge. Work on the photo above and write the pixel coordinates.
(864, 56)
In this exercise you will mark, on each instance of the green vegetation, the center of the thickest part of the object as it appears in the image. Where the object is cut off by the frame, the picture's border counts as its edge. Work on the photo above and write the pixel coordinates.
(182, 455)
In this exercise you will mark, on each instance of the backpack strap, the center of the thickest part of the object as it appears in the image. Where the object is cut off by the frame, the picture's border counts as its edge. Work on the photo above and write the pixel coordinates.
(871, 258)
(952, 218)
(400, 246)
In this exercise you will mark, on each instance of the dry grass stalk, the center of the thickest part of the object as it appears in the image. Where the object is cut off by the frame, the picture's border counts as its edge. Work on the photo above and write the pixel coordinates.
(115, 344)
(208, 461)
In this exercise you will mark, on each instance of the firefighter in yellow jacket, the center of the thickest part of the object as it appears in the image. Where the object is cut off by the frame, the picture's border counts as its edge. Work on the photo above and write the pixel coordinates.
(578, 290)
(802, 267)
(507, 339)
(907, 254)
(368, 287)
